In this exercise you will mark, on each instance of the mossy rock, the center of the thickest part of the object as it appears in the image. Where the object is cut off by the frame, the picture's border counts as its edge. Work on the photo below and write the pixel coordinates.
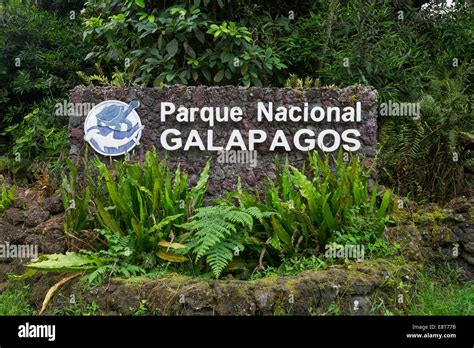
(309, 293)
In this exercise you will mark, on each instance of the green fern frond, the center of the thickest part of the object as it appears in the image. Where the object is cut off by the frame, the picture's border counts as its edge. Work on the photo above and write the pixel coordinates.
(222, 254)
(218, 231)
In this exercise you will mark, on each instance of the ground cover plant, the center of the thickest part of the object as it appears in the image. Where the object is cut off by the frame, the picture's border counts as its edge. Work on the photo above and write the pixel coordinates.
(14, 301)
(446, 295)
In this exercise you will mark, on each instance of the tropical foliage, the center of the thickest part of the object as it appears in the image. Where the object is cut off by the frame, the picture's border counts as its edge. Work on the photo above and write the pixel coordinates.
(409, 53)
(309, 208)
(178, 44)
(146, 215)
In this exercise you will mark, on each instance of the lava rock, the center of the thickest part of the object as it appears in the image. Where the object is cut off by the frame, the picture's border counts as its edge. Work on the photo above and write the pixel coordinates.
(359, 305)
(10, 233)
(54, 204)
(35, 216)
(469, 247)
(15, 216)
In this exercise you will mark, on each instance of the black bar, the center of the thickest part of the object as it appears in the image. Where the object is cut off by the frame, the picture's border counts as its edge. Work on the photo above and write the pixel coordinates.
(288, 331)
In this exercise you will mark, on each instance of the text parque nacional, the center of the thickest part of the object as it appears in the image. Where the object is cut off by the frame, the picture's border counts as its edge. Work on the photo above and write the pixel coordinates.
(304, 139)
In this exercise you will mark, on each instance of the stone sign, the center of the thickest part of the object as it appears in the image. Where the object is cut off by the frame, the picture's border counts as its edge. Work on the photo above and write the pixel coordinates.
(241, 129)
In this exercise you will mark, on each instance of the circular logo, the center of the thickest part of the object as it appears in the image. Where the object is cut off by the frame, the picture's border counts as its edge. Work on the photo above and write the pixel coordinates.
(113, 128)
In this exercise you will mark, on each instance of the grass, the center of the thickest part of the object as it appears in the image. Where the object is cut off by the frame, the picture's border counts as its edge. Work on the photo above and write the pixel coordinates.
(439, 292)
(293, 266)
(78, 307)
(14, 301)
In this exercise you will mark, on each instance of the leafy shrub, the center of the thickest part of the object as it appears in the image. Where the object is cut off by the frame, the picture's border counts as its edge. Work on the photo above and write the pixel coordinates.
(403, 58)
(147, 201)
(179, 44)
(429, 157)
(144, 210)
(398, 56)
(48, 51)
(40, 53)
(142, 200)
(136, 208)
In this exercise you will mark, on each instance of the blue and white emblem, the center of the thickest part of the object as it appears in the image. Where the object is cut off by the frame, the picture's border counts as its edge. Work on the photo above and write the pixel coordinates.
(113, 128)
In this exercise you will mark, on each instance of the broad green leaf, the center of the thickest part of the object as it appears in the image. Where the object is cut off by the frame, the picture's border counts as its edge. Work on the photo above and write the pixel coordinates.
(140, 3)
(171, 257)
(172, 47)
(167, 244)
(219, 76)
(170, 76)
(268, 53)
(69, 262)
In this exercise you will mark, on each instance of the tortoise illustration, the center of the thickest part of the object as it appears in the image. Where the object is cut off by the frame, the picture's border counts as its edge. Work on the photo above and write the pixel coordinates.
(114, 116)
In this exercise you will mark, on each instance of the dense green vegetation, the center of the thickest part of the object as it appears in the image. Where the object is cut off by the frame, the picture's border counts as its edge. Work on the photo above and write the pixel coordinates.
(417, 55)
(147, 219)
(41, 52)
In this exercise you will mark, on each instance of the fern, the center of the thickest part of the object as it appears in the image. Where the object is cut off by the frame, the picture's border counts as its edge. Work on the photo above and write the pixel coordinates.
(420, 156)
(294, 81)
(220, 231)
(222, 254)
(119, 256)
